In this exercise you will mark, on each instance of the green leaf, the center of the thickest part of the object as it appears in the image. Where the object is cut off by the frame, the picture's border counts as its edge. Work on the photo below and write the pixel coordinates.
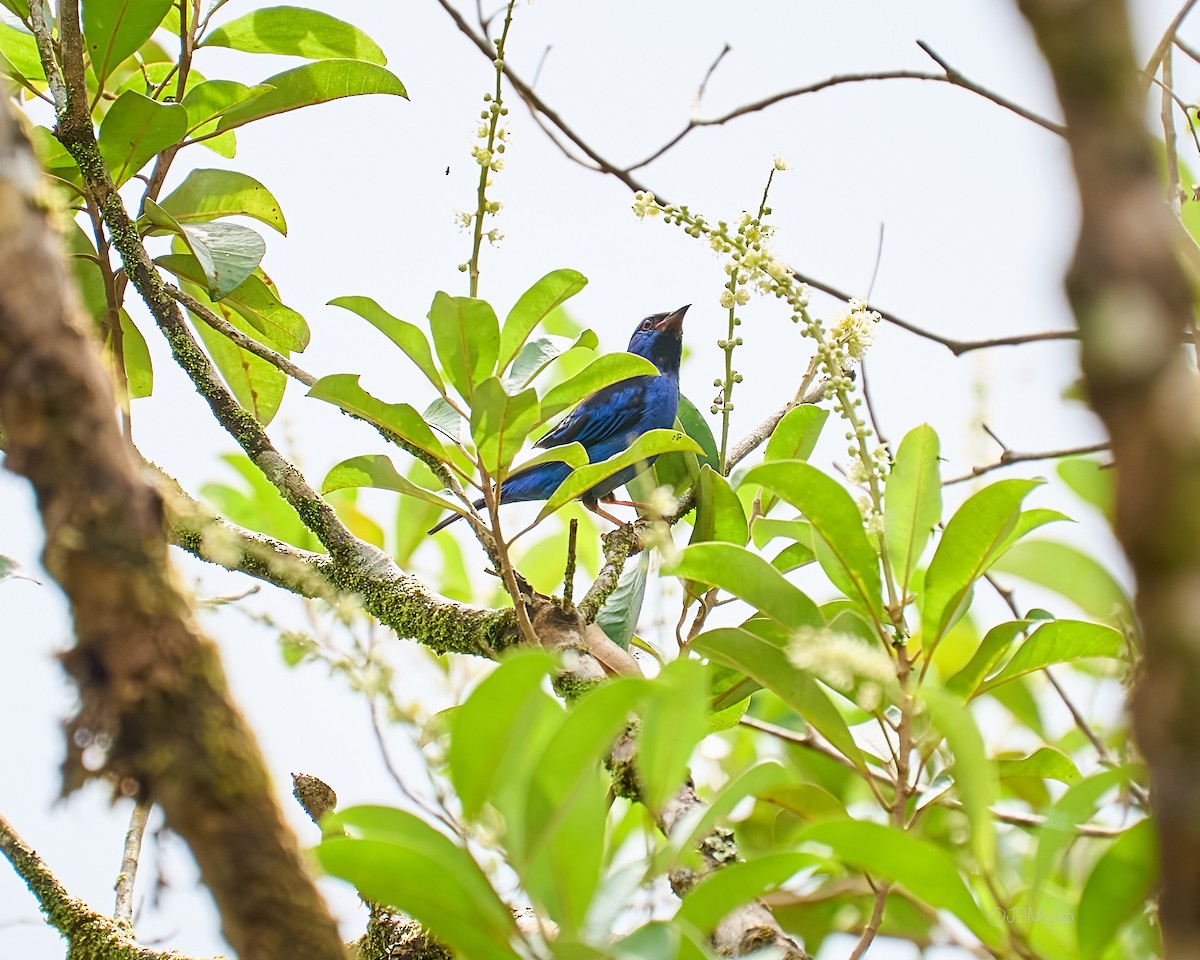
(538, 353)
(839, 539)
(376, 470)
(1059, 641)
(796, 435)
(757, 781)
(912, 501)
(500, 423)
(259, 505)
(209, 194)
(974, 774)
(227, 252)
(343, 390)
(408, 337)
(310, 84)
(924, 869)
(1118, 887)
(256, 384)
(135, 129)
(11, 570)
(449, 421)
(280, 326)
(484, 724)
(735, 884)
(807, 801)
(719, 512)
(646, 447)
(768, 664)
(986, 656)
(454, 899)
(1071, 574)
(466, 335)
(19, 56)
(1091, 481)
(970, 544)
(674, 719)
(550, 292)
(619, 616)
(114, 29)
(298, 32)
(602, 372)
(1045, 763)
(206, 102)
(139, 371)
(747, 575)
(682, 470)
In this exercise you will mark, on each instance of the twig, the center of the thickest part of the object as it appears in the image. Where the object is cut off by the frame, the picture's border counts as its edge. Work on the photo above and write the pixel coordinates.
(1164, 44)
(1186, 48)
(872, 927)
(712, 68)
(1009, 457)
(443, 817)
(123, 911)
(45, 45)
(569, 573)
(1170, 143)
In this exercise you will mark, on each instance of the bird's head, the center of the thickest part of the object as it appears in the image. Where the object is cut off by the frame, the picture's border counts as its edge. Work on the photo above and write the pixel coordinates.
(659, 338)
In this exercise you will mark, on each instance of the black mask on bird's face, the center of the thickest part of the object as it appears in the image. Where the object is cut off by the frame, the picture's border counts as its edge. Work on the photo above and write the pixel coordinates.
(659, 338)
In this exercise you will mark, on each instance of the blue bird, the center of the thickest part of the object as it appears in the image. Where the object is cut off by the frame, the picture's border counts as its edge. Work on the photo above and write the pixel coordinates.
(609, 421)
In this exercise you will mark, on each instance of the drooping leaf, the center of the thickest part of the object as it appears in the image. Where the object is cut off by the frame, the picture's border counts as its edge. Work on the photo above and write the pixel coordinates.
(466, 336)
(210, 194)
(343, 390)
(839, 539)
(989, 652)
(135, 129)
(114, 29)
(682, 470)
(969, 545)
(310, 84)
(719, 512)
(206, 102)
(139, 370)
(1059, 641)
(227, 253)
(1118, 887)
(648, 445)
(257, 384)
(500, 423)
(550, 292)
(376, 470)
(674, 720)
(747, 575)
(619, 616)
(1090, 480)
(1044, 763)
(538, 353)
(912, 501)
(297, 32)
(407, 336)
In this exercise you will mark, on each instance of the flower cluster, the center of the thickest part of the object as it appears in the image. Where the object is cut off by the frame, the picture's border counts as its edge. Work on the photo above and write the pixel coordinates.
(847, 663)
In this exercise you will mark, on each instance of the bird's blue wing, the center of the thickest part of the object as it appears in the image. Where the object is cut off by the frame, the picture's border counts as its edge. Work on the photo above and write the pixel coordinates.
(607, 413)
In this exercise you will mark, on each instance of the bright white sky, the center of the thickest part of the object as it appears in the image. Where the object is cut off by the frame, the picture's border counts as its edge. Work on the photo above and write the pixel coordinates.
(979, 213)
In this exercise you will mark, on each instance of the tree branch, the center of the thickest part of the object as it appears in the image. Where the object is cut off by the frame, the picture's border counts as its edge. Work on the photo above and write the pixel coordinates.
(1009, 457)
(123, 910)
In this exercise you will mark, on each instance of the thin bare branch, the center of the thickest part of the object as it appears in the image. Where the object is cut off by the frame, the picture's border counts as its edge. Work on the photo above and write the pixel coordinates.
(1009, 457)
(1164, 44)
(123, 910)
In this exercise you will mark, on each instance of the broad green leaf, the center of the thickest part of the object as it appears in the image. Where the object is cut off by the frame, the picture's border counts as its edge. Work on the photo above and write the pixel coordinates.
(258, 505)
(11, 570)
(222, 144)
(466, 335)
(912, 501)
(1118, 887)
(280, 326)
(923, 868)
(987, 655)
(114, 29)
(444, 418)
(1072, 574)
(768, 664)
(484, 723)
(974, 773)
(19, 7)
(376, 470)
(619, 616)
(19, 54)
(139, 371)
(682, 470)
(414, 516)
(500, 423)
(257, 384)
(209, 194)
(674, 720)
(408, 337)
(313, 83)
(228, 254)
(343, 390)
(553, 290)
(538, 353)
(1027, 522)
(757, 781)
(735, 884)
(297, 32)
(573, 454)
(719, 512)
(764, 530)
(1059, 641)
(796, 435)
(345, 505)
(135, 129)
(646, 447)
(454, 899)
(747, 575)
(1044, 763)
(602, 372)
(839, 539)
(1090, 480)
(207, 102)
(807, 801)
(970, 544)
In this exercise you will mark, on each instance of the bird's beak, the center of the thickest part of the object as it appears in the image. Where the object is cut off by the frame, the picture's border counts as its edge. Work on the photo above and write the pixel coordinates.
(673, 321)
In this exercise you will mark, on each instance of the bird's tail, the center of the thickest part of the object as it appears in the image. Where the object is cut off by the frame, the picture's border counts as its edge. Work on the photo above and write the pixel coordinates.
(442, 524)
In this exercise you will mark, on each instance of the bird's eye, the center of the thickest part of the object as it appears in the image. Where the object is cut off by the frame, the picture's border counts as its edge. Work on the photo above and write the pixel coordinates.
(647, 323)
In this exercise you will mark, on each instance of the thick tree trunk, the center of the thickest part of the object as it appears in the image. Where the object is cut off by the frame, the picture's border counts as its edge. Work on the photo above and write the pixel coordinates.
(154, 707)
(1133, 306)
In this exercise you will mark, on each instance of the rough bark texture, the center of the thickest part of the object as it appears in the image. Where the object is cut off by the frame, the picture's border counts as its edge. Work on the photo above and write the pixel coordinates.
(1133, 304)
(153, 702)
